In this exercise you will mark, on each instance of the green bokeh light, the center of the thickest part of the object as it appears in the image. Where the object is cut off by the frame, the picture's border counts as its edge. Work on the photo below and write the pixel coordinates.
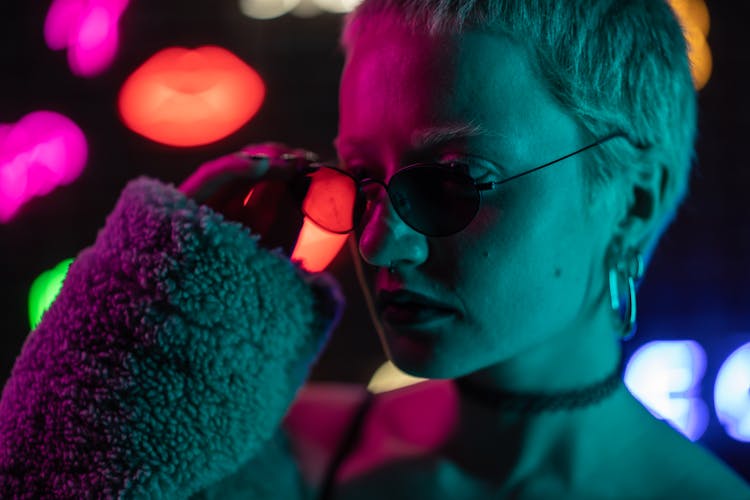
(44, 290)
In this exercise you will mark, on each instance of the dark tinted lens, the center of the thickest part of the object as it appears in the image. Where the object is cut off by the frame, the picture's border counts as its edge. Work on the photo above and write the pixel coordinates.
(434, 199)
(330, 198)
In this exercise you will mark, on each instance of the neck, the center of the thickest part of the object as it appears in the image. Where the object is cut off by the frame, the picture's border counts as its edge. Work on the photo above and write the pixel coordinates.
(508, 448)
(505, 445)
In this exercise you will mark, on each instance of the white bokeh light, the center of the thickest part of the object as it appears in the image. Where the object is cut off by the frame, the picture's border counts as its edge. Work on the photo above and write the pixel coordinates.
(306, 8)
(337, 6)
(267, 9)
(665, 376)
(270, 9)
(389, 377)
(732, 394)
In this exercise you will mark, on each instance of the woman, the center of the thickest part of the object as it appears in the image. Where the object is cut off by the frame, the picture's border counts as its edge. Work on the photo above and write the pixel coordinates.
(575, 121)
(515, 302)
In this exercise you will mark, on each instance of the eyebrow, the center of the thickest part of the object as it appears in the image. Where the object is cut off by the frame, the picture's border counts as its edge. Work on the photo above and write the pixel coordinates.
(434, 136)
(427, 137)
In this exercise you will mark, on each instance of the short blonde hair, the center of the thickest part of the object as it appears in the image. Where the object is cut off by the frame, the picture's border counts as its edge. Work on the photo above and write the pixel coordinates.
(616, 65)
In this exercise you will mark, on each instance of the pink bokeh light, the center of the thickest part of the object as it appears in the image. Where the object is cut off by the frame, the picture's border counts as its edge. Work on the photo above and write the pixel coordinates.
(40, 152)
(88, 29)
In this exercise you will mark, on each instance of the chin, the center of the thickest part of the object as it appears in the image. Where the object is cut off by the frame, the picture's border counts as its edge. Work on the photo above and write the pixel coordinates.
(437, 353)
(420, 358)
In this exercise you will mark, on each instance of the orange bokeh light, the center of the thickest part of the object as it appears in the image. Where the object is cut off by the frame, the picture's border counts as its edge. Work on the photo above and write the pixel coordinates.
(694, 13)
(701, 60)
(696, 23)
(183, 97)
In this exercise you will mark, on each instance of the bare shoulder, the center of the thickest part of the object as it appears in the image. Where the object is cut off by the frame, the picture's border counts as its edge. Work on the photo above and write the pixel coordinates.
(691, 471)
(665, 464)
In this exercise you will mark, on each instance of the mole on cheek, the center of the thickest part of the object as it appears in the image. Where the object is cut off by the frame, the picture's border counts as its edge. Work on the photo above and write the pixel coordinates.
(558, 272)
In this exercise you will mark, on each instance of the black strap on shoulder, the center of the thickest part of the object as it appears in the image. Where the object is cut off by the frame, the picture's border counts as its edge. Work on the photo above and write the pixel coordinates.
(352, 437)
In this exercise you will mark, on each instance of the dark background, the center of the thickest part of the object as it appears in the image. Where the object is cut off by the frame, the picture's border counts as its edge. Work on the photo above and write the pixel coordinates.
(697, 286)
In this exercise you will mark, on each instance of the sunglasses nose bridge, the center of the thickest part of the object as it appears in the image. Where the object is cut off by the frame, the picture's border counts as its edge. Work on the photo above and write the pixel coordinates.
(414, 201)
(395, 202)
(385, 238)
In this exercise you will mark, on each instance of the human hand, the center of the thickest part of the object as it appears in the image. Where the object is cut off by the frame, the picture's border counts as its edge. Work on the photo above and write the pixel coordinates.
(270, 172)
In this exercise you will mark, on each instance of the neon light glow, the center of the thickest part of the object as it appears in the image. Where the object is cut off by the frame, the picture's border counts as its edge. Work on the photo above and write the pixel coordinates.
(337, 6)
(88, 29)
(43, 150)
(696, 22)
(269, 9)
(389, 377)
(266, 9)
(44, 291)
(316, 247)
(665, 376)
(732, 394)
(182, 97)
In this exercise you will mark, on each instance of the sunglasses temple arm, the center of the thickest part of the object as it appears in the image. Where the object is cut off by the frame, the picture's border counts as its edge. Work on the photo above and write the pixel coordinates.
(593, 145)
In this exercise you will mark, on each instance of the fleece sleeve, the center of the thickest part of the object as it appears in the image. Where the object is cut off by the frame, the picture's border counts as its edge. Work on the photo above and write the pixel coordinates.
(169, 358)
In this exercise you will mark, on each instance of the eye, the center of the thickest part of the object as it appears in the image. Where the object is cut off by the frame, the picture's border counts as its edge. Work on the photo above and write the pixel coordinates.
(461, 166)
(471, 168)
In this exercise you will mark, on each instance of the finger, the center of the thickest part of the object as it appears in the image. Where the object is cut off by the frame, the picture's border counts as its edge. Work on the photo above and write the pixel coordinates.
(286, 166)
(213, 174)
(306, 155)
(270, 149)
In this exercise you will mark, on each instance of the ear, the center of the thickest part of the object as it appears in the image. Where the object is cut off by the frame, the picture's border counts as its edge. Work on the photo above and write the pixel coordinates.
(644, 202)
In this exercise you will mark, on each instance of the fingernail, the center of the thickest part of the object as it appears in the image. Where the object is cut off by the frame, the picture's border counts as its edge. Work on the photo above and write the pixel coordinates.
(250, 157)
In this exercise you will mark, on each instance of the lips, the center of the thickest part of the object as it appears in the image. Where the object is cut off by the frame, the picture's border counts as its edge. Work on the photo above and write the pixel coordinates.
(183, 97)
(409, 309)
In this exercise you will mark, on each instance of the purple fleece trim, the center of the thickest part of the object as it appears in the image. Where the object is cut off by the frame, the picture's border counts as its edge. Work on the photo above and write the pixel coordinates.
(170, 356)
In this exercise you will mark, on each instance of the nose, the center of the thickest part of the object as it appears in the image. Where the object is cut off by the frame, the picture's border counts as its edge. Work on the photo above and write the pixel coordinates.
(387, 240)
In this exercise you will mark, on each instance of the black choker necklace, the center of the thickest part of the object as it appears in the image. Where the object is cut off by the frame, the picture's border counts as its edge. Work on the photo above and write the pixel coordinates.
(524, 402)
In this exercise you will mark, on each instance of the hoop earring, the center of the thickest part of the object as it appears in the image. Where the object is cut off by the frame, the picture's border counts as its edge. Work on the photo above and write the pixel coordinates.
(624, 304)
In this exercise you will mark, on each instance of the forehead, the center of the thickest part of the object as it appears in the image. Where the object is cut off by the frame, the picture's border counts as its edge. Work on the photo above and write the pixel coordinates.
(397, 85)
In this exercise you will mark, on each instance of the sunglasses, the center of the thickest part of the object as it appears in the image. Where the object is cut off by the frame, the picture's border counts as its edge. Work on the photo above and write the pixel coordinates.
(435, 199)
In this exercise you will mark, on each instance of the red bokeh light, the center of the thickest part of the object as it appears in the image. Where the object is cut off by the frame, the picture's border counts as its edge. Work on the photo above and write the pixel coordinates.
(183, 97)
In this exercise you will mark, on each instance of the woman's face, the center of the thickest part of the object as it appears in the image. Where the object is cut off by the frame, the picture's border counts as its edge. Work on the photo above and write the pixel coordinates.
(530, 266)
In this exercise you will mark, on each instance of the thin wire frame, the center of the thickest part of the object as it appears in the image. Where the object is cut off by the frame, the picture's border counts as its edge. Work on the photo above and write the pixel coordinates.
(490, 185)
(478, 186)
